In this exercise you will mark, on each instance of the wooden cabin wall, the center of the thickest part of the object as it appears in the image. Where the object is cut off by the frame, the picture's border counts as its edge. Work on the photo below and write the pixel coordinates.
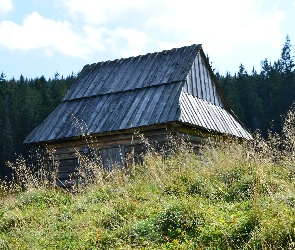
(110, 150)
(200, 84)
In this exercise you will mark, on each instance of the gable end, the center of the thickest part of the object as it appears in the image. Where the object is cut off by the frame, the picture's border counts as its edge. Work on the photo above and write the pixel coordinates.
(200, 83)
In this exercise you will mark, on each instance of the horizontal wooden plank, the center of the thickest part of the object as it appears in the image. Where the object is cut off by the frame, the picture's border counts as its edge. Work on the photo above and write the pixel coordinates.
(108, 138)
(68, 162)
(68, 176)
(67, 169)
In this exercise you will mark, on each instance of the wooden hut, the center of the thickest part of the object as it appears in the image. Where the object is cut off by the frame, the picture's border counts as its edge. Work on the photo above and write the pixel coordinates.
(170, 92)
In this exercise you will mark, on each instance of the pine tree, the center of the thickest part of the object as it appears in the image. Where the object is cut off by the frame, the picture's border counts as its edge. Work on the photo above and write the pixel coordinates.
(286, 60)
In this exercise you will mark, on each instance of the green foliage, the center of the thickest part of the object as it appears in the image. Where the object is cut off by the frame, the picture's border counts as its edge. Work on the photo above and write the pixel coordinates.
(25, 103)
(178, 222)
(259, 99)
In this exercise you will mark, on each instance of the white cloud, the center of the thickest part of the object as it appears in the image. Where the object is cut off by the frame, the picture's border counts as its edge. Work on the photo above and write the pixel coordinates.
(125, 28)
(40, 33)
(129, 42)
(221, 25)
(100, 11)
(122, 42)
(5, 6)
(52, 36)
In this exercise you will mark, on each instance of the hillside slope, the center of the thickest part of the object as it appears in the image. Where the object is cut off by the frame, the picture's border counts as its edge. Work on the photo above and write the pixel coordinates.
(235, 195)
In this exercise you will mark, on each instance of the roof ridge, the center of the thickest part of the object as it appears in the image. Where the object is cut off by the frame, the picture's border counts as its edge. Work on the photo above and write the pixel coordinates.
(149, 53)
(134, 72)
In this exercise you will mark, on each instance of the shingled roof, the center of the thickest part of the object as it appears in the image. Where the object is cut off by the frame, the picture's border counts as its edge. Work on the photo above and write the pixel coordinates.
(177, 85)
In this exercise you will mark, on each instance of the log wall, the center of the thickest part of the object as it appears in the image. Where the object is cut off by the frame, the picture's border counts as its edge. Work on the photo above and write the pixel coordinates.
(114, 149)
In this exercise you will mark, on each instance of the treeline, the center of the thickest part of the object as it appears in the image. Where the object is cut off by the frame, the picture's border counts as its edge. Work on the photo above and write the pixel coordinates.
(261, 99)
(24, 104)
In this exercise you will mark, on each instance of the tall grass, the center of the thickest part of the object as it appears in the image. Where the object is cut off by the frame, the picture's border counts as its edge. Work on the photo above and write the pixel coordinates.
(233, 194)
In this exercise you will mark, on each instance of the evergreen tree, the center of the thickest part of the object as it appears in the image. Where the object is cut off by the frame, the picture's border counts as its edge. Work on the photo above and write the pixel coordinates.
(24, 104)
(286, 60)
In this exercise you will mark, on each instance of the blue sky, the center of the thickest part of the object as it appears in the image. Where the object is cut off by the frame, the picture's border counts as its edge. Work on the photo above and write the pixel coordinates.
(42, 37)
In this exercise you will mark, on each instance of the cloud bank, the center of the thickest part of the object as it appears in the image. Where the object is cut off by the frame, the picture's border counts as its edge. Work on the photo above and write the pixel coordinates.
(37, 32)
(221, 25)
(5, 6)
(128, 27)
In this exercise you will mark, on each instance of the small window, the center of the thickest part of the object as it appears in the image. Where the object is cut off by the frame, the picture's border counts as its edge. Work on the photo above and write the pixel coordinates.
(112, 157)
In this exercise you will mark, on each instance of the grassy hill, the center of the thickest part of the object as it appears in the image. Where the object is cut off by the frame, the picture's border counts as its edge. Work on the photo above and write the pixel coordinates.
(234, 195)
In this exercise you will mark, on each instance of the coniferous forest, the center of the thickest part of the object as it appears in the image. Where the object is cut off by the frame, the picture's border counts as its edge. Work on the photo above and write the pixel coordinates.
(259, 99)
(24, 104)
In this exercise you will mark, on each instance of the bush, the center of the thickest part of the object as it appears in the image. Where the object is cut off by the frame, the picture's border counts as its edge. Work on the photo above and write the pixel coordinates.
(178, 222)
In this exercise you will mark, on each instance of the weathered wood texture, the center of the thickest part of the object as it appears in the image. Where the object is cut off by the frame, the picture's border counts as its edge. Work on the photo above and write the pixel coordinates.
(199, 83)
(112, 112)
(134, 72)
(135, 92)
(205, 114)
(116, 149)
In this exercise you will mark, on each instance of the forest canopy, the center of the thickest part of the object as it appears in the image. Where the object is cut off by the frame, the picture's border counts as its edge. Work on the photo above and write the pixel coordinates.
(261, 99)
(25, 103)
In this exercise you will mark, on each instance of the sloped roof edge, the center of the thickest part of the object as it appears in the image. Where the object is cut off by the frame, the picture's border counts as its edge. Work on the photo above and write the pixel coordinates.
(204, 114)
(111, 112)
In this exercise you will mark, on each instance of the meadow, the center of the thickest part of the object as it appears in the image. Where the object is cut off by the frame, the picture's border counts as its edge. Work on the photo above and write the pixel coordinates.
(233, 194)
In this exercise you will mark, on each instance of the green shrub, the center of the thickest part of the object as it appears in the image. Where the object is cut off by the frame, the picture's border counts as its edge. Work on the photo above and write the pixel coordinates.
(178, 222)
(144, 232)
